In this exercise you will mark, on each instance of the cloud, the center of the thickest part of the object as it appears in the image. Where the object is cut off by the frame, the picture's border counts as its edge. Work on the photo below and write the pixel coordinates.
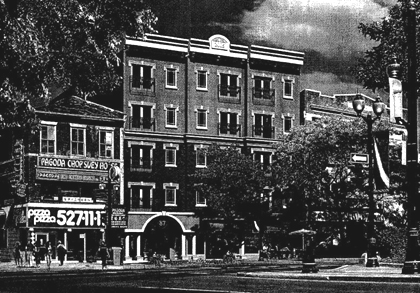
(327, 26)
(329, 84)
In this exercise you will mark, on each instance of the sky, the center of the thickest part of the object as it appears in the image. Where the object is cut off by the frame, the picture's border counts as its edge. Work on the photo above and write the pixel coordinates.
(325, 30)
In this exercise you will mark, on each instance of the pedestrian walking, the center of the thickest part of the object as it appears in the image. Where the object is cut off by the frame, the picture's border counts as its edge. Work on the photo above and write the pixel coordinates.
(61, 252)
(48, 254)
(30, 254)
(17, 256)
(37, 254)
(22, 251)
(104, 254)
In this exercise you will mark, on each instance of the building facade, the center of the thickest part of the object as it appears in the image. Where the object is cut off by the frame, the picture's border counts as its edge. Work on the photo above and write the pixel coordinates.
(181, 96)
(63, 190)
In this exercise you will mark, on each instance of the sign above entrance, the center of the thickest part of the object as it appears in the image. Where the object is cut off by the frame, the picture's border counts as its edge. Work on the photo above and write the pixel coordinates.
(78, 164)
(69, 218)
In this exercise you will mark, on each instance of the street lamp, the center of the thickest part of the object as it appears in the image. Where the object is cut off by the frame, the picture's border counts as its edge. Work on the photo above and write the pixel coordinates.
(378, 108)
(412, 257)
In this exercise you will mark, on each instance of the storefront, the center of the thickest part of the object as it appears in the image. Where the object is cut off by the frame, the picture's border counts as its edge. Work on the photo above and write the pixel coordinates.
(79, 227)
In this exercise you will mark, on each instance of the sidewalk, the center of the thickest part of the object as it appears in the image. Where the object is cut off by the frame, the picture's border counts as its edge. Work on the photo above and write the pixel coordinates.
(344, 273)
(282, 269)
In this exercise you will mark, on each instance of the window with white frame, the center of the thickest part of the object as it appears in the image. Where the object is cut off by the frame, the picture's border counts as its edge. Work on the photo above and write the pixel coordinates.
(201, 118)
(263, 157)
(288, 87)
(141, 156)
(48, 138)
(170, 155)
(171, 77)
(142, 76)
(229, 85)
(287, 124)
(78, 140)
(106, 143)
(200, 200)
(141, 195)
(201, 156)
(228, 122)
(263, 88)
(171, 116)
(170, 193)
(202, 79)
(142, 116)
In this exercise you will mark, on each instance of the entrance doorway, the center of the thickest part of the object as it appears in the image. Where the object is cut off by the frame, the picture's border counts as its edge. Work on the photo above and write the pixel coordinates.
(163, 236)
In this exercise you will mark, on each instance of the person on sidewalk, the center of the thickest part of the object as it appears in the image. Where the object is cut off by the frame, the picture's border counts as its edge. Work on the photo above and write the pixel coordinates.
(17, 256)
(30, 254)
(22, 250)
(61, 252)
(37, 254)
(48, 254)
(104, 254)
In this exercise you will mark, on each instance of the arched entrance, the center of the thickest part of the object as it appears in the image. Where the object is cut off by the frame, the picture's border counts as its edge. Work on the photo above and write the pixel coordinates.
(163, 236)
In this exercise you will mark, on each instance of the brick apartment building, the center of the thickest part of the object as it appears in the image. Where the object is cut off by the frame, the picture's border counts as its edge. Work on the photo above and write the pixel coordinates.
(181, 96)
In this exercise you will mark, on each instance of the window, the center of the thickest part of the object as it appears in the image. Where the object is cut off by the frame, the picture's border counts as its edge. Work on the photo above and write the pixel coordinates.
(264, 158)
(170, 156)
(48, 139)
(201, 118)
(141, 157)
(229, 123)
(229, 85)
(287, 124)
(142, 117)
(263, 125)
(106, 143)
(170, 193)
(171, 116)
(288, 87)
(201, 158)
(142, 77)
(200, 199)
(77, 139)
(171, 77)
(202, 79)
(141, 195)
(262, 88)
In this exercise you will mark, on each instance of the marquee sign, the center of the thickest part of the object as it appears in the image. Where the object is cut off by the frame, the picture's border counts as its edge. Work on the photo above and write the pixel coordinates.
(74, 164)
(68, 218)
(59, 175)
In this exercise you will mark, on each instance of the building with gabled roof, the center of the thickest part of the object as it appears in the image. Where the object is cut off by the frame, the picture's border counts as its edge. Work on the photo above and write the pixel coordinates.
(59, 190)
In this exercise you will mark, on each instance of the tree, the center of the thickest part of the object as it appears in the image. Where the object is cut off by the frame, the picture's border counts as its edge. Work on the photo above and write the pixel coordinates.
(232, 185)
(391, 36)
(71, 44)
(312, 168)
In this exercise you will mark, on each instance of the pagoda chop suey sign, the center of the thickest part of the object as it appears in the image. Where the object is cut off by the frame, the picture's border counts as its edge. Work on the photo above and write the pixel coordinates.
(80, 164)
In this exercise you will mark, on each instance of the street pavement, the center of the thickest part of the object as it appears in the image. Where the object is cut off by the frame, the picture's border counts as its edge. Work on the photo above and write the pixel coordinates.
(329, 269)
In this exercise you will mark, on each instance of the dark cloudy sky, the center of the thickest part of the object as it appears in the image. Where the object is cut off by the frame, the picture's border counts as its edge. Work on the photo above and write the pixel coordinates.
(326, 30)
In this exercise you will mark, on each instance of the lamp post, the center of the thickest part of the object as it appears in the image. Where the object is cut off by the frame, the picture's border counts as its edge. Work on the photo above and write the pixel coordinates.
(378, 108)
(412, 257)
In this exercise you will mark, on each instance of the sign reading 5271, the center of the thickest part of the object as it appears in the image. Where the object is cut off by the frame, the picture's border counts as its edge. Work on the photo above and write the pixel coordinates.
(65, 218)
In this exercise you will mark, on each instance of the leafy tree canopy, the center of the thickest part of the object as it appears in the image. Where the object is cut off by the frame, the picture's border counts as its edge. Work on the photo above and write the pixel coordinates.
(391, 35)
(232, 184)
(312, 166)
(72, 44)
